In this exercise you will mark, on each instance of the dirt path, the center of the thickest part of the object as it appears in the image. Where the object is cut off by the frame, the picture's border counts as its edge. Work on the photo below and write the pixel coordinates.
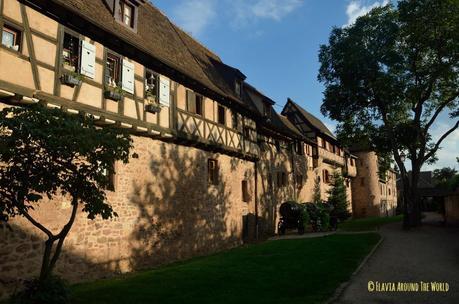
(428, 254)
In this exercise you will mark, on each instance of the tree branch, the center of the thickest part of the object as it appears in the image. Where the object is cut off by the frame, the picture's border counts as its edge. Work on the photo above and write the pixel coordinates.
(37, 224)
(437, 145)
(438, 111)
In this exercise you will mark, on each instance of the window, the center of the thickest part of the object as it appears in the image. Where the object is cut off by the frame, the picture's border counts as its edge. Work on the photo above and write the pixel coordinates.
(277, 145)
(247, 132)
(110, 175)
(71, 52)
(151, 85)
(113, 70)
(234, 120)
(238, 87)
(11, 37)
(266, 110)
(212, 171)
(388, 189)
(194, 102)
(326, 176)
(126, 13)
(299, 147)
(245, 191)
(221, 115)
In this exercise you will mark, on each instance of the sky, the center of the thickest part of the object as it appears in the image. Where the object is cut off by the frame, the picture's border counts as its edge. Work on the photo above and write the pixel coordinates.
(275, 43)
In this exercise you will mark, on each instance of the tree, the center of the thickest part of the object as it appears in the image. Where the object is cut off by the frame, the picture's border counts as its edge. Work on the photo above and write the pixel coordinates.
(337, 197)
(49, 153)
(443, 174)
(317, 194)
(389, 77)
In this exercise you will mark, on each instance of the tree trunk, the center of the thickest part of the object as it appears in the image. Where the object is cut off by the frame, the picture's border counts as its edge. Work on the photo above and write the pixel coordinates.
(411, 201)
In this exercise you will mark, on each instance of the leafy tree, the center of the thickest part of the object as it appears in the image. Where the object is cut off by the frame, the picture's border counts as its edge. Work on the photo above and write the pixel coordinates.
(317, 194)
(443, 174)
(337, 197)
(49, 153)
(388, 77)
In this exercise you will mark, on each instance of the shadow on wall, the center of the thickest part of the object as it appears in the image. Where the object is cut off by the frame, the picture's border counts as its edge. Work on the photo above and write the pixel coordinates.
(180, 214)
(167, 212)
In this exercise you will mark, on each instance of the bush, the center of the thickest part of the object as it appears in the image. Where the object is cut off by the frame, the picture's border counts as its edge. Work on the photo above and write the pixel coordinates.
(54, 291)
(319, 214)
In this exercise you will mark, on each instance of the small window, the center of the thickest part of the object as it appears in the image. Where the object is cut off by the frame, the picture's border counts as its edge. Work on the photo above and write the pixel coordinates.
(110, 175)
(11, 37)
(326, 176)
(246, 197)
(71, 52)
(234, 120)
(277, 145)
(247, 133)
(238, 87)
(151, 85)
(221, 115)
(389, 191)
(212, 171)
(126, 13)
(113, 65)
(194, 102)
(299, 147)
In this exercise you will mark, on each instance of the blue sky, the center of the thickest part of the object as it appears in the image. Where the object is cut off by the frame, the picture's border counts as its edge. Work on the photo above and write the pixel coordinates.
(275, 44)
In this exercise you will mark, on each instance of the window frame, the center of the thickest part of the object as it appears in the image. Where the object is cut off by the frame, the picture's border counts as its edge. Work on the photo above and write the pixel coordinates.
(221, 117)
(212, 172)
(17, 36)
(246, 197)
(156, 76)
(77, 65)
(118, 59)
(119, 13)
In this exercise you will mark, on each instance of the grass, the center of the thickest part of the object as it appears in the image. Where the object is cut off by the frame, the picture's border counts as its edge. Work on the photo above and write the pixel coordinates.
(286, 271)
(369, 223)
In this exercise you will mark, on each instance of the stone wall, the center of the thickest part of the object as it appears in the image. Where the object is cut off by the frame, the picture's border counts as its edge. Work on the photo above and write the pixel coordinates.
(167, 212)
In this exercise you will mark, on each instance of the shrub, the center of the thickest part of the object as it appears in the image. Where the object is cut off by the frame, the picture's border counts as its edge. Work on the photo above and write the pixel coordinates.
(54, 291)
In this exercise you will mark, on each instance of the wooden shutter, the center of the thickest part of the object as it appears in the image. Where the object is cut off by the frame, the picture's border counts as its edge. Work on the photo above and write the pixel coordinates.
(191, 101)
(164, 90)
(88, 59)
(128, 76)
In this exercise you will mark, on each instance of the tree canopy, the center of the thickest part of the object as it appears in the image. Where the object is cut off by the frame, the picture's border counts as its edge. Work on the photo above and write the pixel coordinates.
(391, 75)
(48, 153)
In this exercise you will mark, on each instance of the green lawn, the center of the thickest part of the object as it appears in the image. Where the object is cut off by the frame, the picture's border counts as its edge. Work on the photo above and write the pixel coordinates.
(286, 271)
(369, 223)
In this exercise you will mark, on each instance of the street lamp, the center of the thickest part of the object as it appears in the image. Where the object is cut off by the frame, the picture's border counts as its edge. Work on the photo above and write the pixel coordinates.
(402, 156)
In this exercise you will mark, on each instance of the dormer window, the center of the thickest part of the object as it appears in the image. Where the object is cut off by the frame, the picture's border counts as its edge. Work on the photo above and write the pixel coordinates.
(238, 87)
(126, 13)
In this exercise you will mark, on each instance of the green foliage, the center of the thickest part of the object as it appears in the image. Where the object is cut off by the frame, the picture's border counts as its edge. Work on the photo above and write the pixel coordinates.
(47, 152)
(337, 197)
(319, 214)
(317, 195)
(387, 75)
(443, 175)
(53, 291)
(305, 218)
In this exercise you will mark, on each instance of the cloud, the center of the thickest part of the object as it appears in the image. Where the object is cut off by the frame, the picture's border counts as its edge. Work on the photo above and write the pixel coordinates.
(194, 16)
(247, 11)
(357, 8)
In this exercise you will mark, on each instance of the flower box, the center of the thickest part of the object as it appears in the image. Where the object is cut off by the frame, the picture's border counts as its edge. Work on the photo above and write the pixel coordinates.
(113, 95)
(70, 80)
(153, 108)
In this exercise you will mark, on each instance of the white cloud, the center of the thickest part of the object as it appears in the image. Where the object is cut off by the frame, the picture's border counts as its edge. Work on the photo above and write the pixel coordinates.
(357, 8)
(247, 11)
(195, 15)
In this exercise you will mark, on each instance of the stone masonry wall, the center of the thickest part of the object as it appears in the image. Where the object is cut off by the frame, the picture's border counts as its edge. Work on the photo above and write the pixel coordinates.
(167, 212)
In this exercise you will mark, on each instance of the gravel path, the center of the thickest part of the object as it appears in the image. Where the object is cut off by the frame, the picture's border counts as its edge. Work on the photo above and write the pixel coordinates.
(428, 254)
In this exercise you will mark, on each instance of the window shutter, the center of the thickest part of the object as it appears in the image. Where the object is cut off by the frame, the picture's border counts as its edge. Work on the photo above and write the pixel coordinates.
(191, 101)
(128, 76)
(164, 90)
(88, 59)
